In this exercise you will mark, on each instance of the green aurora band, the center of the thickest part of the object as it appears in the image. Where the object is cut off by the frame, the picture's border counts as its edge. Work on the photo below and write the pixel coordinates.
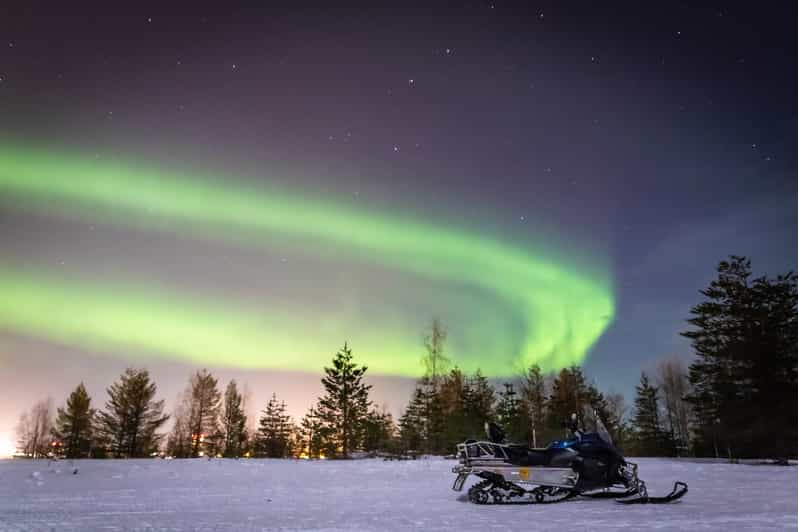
(564, 309)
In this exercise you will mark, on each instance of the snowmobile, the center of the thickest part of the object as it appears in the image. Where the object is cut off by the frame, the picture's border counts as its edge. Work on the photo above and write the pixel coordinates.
(584, 465)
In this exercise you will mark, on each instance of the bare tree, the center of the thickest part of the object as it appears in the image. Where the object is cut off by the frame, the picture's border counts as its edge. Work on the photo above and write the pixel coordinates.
(34, 429)
(435, 362)
(672, 380)
(534, 390)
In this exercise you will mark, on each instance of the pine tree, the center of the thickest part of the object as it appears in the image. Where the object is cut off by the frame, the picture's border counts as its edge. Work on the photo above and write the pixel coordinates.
(646, 419)
(745, 337)
(345, 404)
(234, 422)
(275, 430)
(74, 424)
(132, 416)
(204, 413)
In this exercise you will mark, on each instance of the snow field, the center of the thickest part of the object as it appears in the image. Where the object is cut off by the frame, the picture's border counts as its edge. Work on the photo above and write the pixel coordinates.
(248, 495)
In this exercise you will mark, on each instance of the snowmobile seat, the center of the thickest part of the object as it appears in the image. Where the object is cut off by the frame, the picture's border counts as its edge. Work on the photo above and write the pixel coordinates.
(521, 455)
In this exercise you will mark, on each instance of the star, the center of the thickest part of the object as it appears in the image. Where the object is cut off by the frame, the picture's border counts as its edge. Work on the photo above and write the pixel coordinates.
(234, 66)
(396, 148)
(10, 44)
(522, 218)
(411, 81)
(448, 51)
(149, 20)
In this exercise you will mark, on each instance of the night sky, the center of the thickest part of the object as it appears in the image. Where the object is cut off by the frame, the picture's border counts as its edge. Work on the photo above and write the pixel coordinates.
(246, 189)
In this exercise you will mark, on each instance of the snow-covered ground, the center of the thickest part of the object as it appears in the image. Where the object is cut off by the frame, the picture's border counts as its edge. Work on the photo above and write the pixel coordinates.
(364, 495)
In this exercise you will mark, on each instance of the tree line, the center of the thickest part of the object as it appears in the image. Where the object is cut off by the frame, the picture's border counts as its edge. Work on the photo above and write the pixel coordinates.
(738, 398)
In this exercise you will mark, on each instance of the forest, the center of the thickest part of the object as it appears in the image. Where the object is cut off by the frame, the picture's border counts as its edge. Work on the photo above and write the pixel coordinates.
(737, 398)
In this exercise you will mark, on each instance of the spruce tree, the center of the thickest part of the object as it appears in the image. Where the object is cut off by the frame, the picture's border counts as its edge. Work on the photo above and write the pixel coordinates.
(478, 404)
(569, 395)
(378, 434)
(74, 424)
(453, 396)
(509, 414)
(234, 422)
(274, 430)
(345, 404)
(411, 423)
(311, 434)
(132, 415)
(646, 419)
(745, 383)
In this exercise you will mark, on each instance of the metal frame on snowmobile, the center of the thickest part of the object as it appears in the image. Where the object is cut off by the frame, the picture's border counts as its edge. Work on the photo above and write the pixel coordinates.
(557, 480)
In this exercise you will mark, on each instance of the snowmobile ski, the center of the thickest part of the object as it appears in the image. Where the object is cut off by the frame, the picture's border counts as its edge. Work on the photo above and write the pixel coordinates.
(679, 490)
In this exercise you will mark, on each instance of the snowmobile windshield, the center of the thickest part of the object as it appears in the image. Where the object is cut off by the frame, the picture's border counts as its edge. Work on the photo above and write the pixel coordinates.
(602, 431)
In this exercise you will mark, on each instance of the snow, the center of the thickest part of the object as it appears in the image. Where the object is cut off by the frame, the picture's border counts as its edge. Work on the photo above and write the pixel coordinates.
(372, 494)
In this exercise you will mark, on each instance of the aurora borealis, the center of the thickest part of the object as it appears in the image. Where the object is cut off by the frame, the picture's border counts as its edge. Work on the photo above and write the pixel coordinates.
(561, 309)
(246, 188)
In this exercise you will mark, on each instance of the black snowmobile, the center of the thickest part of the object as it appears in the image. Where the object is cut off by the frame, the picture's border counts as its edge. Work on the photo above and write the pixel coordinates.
(584, 465)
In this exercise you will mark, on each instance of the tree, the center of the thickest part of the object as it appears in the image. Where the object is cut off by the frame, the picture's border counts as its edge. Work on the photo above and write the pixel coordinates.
(744, 380)
(204, 412)
(478, 403)
(378, 434)
(74, 424)
(132, 415)
(435, 361)
(569, 395)
(34, 429)
(234, 422)
(533, 404)
(509, 414)
(345, 404)
(275, 430)
(178, 443)
(411, 423)
(312, 434)
(672, 380)
(649, 434)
